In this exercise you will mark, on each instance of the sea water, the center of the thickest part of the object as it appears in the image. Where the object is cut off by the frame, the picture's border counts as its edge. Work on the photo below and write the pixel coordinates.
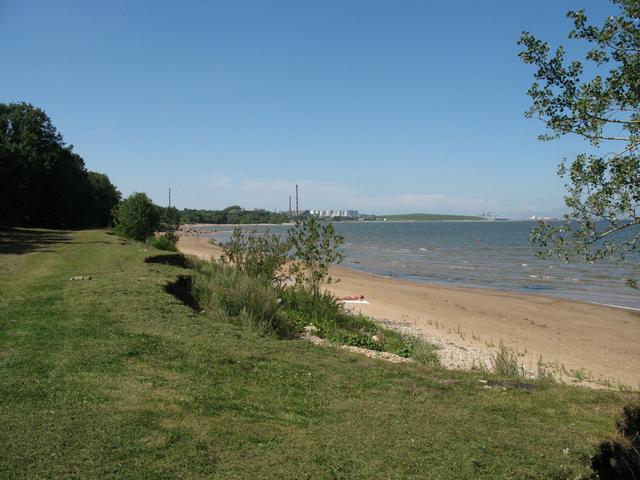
(496, 255)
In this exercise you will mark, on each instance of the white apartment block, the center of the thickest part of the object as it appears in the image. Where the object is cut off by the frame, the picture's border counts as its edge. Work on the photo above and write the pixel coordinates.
(334, 213)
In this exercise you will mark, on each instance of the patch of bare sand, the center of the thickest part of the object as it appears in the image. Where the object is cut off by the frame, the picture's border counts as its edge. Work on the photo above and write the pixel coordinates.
(594, 342)
(200, 247)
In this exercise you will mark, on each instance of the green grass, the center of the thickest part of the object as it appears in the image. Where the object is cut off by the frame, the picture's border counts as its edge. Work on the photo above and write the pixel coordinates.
(427, 217)
(115, 378)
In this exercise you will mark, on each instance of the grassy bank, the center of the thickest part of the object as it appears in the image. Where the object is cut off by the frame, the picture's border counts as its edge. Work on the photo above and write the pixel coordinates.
(113, 377)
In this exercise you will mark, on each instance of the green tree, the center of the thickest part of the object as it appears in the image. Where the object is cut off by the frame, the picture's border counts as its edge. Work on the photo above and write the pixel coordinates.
(315, 248)
(103, 196)
(136, 217)
(169, 216)
(598, 99)
(42, 181)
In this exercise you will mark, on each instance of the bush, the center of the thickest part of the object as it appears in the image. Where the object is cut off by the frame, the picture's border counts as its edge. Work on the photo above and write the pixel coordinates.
(315, 248)
(164, 242)
(335, 323)
(136, 217)
(505, 362)
(242, 287)
(619, 457)
(257, 255)
(245, 300)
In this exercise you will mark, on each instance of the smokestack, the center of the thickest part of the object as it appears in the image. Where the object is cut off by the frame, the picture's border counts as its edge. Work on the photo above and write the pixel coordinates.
(297, 211)
(289, 204)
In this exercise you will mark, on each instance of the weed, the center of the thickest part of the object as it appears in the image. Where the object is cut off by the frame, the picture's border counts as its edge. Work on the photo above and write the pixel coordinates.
(544, 373)
(165, 242)
(505, 362)
(248, 301)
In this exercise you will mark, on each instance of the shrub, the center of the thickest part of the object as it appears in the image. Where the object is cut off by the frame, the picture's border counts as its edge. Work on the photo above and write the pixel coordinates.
(505, 362)
(164, 242)
(337, 324)
(322, 310)
(619, 457)
(257, 255)
(242, 287)
(315, 248)
(425, 352)
(247, 301)
(136, 217)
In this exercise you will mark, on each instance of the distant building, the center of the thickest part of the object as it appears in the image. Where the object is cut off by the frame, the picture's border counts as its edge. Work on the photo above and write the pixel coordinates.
(334, 213)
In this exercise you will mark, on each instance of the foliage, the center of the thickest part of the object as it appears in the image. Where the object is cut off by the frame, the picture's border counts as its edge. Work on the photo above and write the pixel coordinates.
(136, 217)
(338, 325)
(169, 217)
(233, 214)
(103, 197)
(257, 255)
(254, 216)
(167, 241)
(619, 457)
(263, 258)
(42, 181)
(246, 300)
(322, 311)
(315, 247)
(505, 362)
(604, 109)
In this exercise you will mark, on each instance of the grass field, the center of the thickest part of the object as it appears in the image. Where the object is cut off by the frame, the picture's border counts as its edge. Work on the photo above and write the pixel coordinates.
(113, 377)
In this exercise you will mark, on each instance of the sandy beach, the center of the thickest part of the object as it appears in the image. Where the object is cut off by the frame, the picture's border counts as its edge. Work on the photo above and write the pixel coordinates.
(588, 341)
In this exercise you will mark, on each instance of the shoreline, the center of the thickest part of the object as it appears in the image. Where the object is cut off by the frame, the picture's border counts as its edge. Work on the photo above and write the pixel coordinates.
(581, 342)
(625, 301)
(484, 289)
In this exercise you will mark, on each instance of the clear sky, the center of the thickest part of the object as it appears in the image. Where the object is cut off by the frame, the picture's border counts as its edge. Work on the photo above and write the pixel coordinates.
(380, 106)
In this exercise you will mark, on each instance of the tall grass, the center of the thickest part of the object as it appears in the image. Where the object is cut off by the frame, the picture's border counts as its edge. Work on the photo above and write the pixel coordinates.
(245, 300)
(254, 303)
(505, 362)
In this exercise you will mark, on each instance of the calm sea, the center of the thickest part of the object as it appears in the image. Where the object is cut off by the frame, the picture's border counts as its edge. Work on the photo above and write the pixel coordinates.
(494, 255)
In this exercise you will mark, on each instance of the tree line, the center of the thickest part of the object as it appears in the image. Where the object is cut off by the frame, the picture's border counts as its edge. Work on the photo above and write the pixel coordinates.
(233, 214)
(43, 182)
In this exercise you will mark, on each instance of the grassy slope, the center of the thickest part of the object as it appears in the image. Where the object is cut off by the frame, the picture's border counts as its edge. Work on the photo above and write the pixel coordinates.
(114, 378)
(427, 217)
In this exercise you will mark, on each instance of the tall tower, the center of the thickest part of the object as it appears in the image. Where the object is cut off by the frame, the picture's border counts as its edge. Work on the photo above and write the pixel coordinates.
(297, 211)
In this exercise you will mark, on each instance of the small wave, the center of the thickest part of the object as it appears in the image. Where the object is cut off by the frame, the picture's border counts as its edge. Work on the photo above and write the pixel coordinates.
(618, 306)
(524, 264)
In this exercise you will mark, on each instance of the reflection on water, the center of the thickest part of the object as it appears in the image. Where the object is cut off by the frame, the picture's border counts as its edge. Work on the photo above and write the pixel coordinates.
(477, 254)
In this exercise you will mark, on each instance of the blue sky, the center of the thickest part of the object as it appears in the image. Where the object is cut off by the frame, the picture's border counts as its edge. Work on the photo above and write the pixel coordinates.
(380, 106)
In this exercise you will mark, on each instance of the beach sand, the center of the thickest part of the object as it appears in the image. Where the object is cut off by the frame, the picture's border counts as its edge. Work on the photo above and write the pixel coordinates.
(599, 343)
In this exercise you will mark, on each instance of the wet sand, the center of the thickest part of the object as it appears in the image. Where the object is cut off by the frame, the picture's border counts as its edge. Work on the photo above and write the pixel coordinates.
(601, 343)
